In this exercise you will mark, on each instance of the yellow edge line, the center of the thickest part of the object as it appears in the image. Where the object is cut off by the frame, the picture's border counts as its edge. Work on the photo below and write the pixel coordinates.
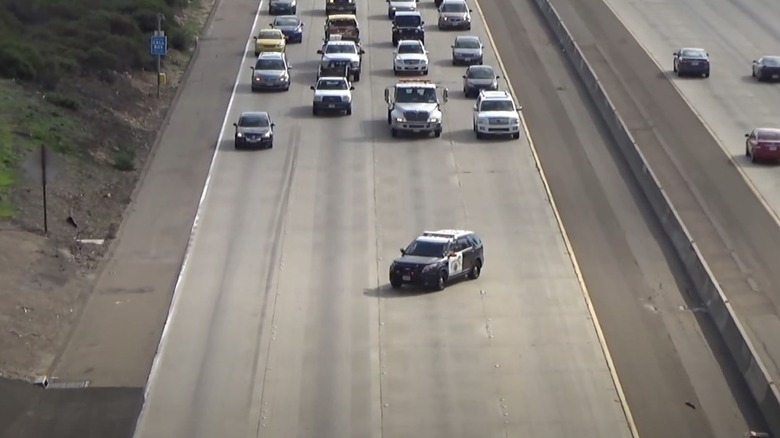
(730, 157)
(567, 242)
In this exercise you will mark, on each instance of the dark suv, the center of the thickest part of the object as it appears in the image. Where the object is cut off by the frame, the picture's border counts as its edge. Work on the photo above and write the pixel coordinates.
(408, 25)
(437, 257)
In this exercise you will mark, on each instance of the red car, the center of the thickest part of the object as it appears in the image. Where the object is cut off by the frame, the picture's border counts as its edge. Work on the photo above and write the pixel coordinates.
(763, 144)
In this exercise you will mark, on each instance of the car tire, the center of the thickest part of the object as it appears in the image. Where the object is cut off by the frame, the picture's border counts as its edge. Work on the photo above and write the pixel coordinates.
(314, 112)
(349, 111)
(237, 146)
(516, 135)
(706, 75)
(425, 72)
(395, 283)
(441, 282)
(479, 135)
(475, 270)
(356, 77)
(393, 132)
(389, 120)
(271, 145)
(468, 27)
(747, 150)
(437, 133)
(674, 68)
(395, 71)
(395, 41)
(294, 10)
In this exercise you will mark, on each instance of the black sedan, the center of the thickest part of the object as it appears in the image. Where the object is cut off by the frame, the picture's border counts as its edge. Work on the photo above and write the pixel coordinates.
(692, 62)
(254, 130)
(767, 68)
(282, 7)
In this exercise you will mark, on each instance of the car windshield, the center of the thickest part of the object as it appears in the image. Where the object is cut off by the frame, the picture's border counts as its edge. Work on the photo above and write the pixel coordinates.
(769, 135)
(407, 20)
(454, 7)
(340, 48)
(286, 21)
(497, 105)
(424, 248)
(410, 48)
(692, 53)
(415, 95)
(253, 121)
(467, 43)
(481, 73)
(772, 61)
(269, 35)
(331, 84)
(343, 22)
(269, 64)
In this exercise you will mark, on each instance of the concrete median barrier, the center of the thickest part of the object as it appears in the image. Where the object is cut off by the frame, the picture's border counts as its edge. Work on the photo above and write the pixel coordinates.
(761, 386)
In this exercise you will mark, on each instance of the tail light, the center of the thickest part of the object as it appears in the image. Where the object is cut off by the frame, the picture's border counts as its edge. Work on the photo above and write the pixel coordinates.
(766, 145)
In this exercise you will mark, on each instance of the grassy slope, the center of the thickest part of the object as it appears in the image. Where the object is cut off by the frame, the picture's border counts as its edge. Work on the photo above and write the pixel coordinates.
(45, 42)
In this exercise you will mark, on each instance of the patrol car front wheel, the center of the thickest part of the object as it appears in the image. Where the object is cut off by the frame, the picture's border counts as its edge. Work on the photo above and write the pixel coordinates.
(441, 282)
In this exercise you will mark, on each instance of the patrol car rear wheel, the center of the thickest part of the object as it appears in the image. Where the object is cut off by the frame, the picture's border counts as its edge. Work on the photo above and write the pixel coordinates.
(475, 270)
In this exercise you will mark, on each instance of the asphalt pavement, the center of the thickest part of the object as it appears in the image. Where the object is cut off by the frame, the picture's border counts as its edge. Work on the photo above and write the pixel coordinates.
(285, 324)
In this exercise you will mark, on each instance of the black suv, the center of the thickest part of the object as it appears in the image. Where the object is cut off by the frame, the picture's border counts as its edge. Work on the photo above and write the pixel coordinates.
(437, 257)
(408, 25)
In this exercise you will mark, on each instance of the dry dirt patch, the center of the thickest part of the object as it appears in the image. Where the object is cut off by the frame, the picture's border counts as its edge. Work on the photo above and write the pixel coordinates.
(45, 281)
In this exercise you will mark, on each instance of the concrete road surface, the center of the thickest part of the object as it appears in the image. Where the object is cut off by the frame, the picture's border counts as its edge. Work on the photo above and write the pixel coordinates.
(284, 324)
(736, 233)
(666, 351)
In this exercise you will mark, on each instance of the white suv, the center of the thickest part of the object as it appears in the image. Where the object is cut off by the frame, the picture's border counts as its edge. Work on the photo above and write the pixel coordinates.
(495, 113)
(410, 56)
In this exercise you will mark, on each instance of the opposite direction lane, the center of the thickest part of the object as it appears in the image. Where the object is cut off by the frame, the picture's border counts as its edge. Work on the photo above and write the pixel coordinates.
(285, 326)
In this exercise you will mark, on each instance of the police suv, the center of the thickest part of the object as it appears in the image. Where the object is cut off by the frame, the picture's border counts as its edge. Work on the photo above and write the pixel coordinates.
(437, 257)
(413, 106)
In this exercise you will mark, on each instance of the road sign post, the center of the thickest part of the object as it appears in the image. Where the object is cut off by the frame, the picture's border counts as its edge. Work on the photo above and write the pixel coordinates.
(158, 47)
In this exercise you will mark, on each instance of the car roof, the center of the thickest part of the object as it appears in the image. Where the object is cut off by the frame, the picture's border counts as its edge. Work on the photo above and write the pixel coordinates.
(467, 37)
(270, 55)
(403, 13)
(342, 17)
(281, 17)
(331, 78)
(447, 234)
(341, 42)
(767, 130)
(495, 95)
(269, 29)
(410, 42)
(693, 49)
(253, 114)
(481, 67)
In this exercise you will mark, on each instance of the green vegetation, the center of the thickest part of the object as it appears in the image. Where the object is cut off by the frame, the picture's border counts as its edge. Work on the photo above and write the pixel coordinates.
(27, 120)
(44, 41)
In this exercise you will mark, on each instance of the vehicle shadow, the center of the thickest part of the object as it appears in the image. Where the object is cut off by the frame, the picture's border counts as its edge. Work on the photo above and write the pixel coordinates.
(372, 130)
(448, 63)
(300, 112)
(382, 45)
(751, 80)
(385, 73)
(379, 17)
(744, 161)
(386, 291)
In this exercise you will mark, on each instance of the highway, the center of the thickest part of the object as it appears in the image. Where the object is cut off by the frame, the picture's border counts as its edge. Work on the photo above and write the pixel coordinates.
(644, 301)
(735, 231)
(284, 325)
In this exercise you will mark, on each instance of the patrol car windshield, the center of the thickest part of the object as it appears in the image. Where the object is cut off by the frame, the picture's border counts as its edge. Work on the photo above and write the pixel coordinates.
(407, 20)
(340, 48)
(415, 95)
(269, 64)
(410, 48)
(286, 21)
(454, 7)
(467, 43)
(331, 84)
(269, 35)
(497, 105)
(424, 248)
(253, 121)
(481, 72)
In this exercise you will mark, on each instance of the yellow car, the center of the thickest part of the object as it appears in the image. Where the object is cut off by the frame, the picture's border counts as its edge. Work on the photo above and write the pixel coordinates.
(270, 40)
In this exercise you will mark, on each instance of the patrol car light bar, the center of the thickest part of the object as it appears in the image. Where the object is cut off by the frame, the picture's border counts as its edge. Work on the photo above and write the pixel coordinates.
(417, 81)
(434, 234)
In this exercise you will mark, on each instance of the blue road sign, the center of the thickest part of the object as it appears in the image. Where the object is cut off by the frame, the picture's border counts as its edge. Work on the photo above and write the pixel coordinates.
(158, 45)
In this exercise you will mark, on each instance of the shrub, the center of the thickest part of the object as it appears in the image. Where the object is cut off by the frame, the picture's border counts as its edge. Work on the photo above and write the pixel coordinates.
(19, 61)
(124, 159)
(179, 40)
(98, 59)
(63, 101)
